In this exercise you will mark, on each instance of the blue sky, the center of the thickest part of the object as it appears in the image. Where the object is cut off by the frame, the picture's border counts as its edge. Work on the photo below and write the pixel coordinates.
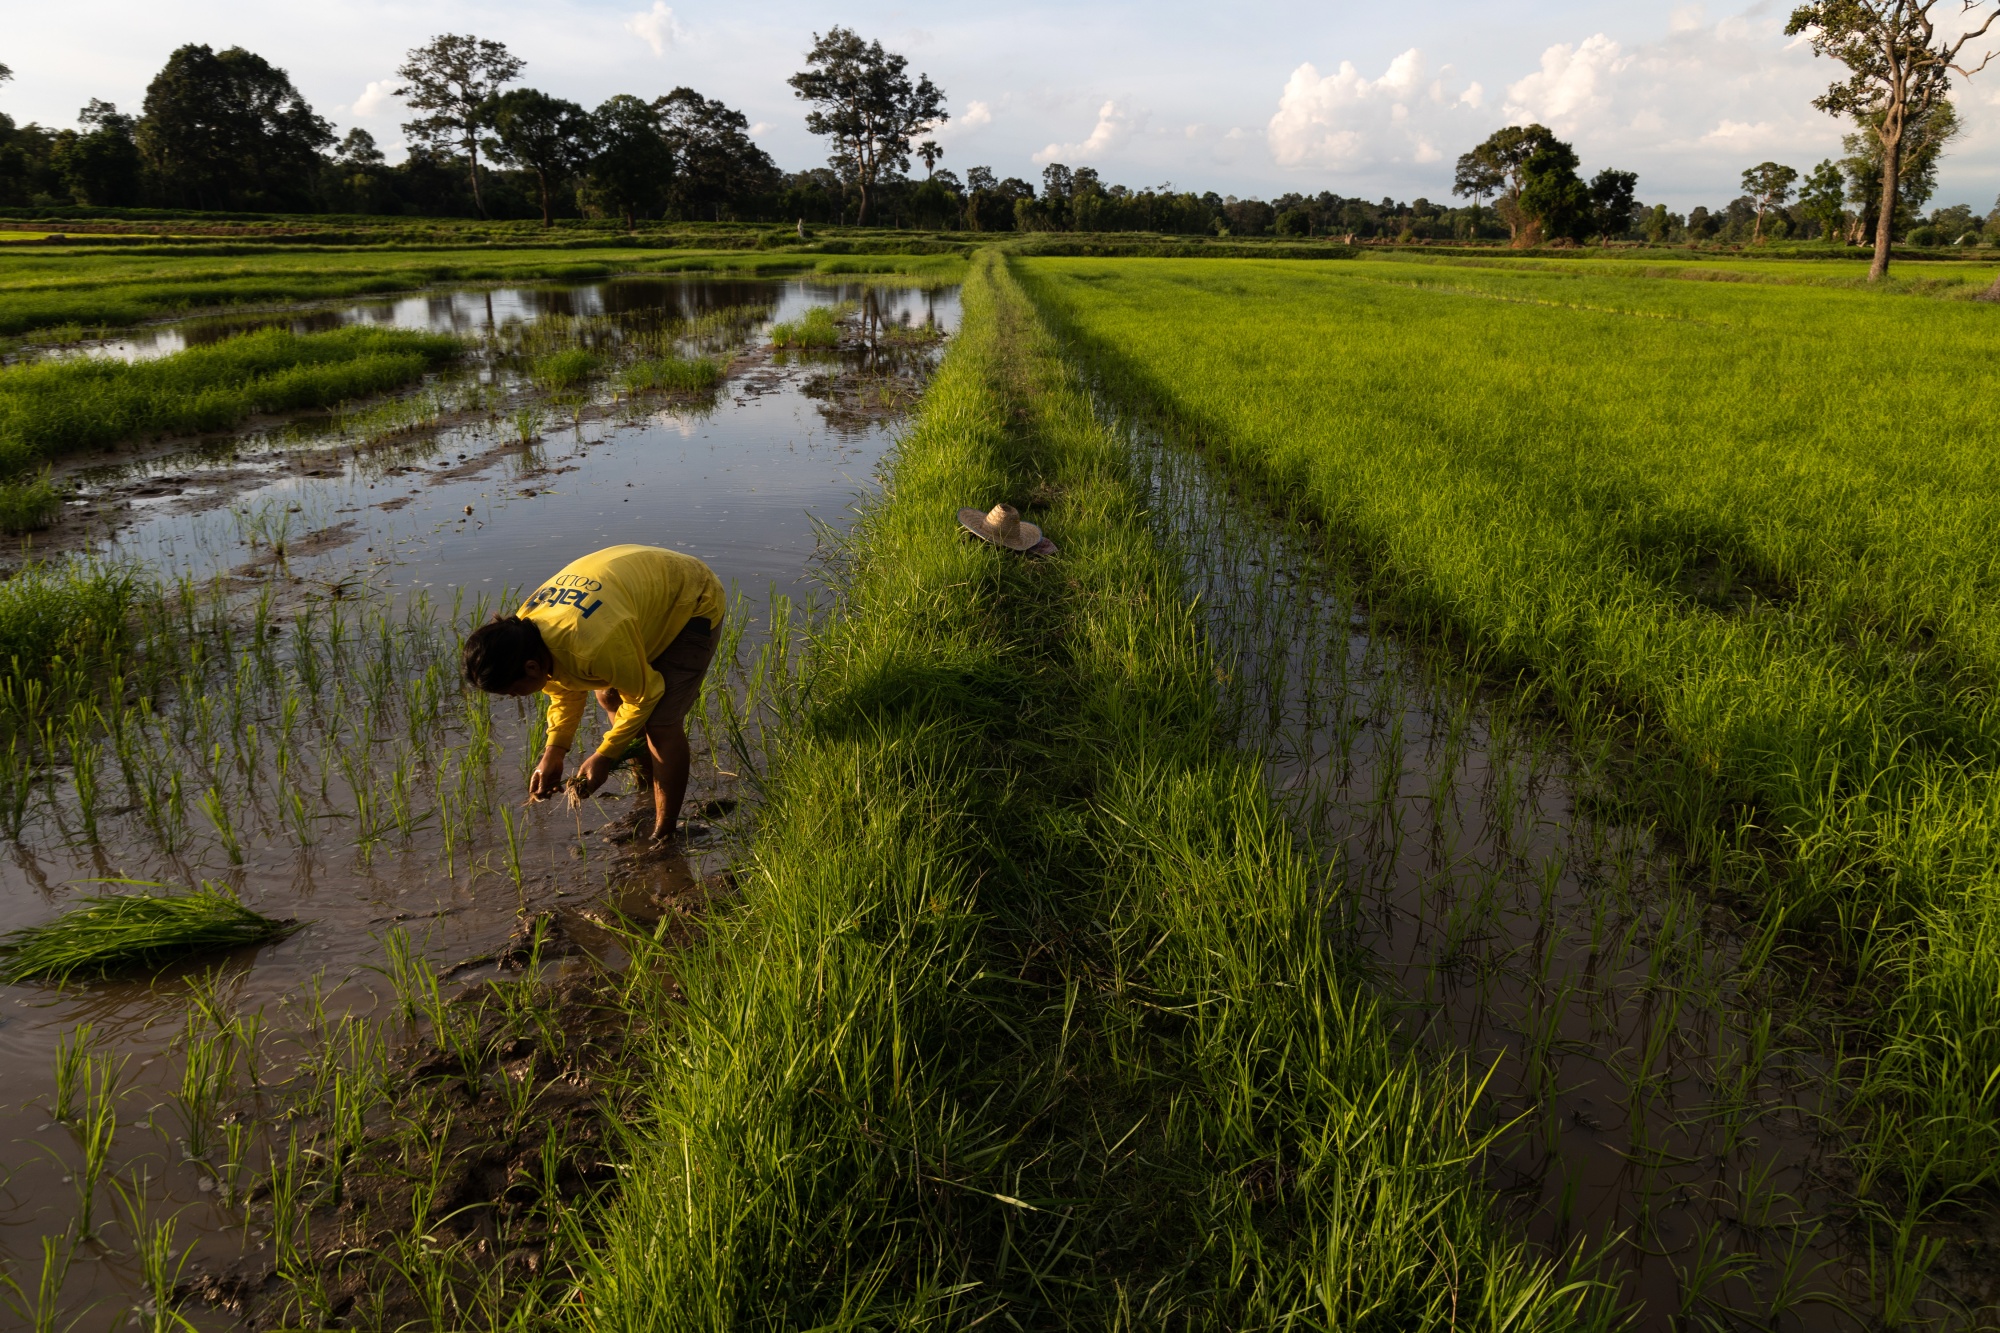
(1246, 98)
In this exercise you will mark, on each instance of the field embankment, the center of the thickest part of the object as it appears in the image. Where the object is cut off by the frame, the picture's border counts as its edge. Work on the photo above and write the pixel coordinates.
(53, 289)
(1031, 1009)
(1748, 528)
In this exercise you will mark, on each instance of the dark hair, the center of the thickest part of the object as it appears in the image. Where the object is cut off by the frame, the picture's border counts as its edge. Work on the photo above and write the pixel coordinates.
(497, 653)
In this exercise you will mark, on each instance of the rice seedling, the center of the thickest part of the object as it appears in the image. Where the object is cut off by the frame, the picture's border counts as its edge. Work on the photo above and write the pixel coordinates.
(42, 1311)
(96, 1128)
(29, 506)
(216, 807)
(72, 1061)
(818, 328)
(134, 931)
(208, 1081)
(672, 374)
(561, 372)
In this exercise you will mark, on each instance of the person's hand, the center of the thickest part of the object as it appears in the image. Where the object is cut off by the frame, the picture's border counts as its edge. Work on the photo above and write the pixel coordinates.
(594, 771)
(547, 778)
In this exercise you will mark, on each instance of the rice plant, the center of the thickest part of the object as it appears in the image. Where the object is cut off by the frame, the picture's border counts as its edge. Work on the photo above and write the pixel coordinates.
(672, 374)
(818, 328)
(560, 372)
(134, 932)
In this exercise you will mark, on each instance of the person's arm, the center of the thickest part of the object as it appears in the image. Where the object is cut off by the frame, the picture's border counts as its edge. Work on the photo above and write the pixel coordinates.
(565, 711)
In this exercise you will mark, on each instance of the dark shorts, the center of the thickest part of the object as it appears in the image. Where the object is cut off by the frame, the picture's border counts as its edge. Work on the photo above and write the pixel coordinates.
(682, 664)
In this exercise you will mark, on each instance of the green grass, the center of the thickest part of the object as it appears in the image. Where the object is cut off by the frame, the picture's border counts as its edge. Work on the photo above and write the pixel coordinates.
(43, 288)
(672, 374)
(66, 613)
(819, 327)
(28, 506)
(55, 407)
(1743, 527)
(559, 372)
(1032, 1014)
(133, 932)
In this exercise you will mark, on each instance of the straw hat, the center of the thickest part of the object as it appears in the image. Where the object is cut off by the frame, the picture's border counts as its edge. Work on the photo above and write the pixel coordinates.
(1002, 526)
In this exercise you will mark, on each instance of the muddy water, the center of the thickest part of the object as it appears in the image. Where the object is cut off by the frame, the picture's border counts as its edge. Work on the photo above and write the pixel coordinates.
(1664, 1101)
(359, 791)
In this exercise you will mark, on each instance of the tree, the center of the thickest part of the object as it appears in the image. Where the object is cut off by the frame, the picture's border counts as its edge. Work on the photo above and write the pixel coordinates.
(863, 100)
(1552, 196)
(1899, 67)
(454, 79)
(1924, 140)
(929, 151)
(1612, 202)
(547, 135)
(716, 166)
(633, 166)
(101, 166)
(226, 129)
(1498, 166)
(1770, 184)
(1820, 199)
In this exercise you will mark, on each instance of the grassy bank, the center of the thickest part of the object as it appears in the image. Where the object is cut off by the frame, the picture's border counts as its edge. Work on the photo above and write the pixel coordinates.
(1031, 1010)
(56, 407)
(43, 289)
(1736, 524)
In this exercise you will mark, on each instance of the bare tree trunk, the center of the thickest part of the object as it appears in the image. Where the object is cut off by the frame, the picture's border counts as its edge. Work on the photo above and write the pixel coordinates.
(472, 151)
(861, 217)
(542, 180)
(1885, 225)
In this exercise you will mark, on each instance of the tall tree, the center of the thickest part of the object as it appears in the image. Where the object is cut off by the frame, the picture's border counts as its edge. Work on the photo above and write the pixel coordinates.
(1820, 199)
(1899, 68)
(101, 166)
(1613, 200)
(453, 79)
(226, 129)
(633, 166)
(716, 165)
(549, 136)
(929, 152)
(1553, 197)
(1924, 140)
(864, 101)
(1770, 184)
(1499, 166)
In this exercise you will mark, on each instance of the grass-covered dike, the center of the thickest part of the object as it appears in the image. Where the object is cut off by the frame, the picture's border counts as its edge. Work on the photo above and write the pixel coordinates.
(1031, 1011)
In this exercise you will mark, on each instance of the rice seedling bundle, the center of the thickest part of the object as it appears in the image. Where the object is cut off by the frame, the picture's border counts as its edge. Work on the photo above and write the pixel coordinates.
(133, 932)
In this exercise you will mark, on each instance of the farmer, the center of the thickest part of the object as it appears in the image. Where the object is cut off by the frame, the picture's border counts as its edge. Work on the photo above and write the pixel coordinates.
(638, 625)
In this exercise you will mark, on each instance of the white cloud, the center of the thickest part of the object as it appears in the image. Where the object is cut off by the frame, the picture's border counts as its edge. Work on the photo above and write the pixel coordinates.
(1115, 125)
(375, 98)
(975, 115)
(1345, 120)
(657, 27)
(1573, 83)
(1687, 18)
(1731, 133)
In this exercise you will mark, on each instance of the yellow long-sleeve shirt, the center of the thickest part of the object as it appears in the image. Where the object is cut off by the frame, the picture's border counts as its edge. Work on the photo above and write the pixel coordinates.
(604, 618)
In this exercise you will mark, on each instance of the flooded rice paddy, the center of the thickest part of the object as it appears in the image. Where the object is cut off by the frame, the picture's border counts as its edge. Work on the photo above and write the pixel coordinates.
(309, 745)
(1663, 1094)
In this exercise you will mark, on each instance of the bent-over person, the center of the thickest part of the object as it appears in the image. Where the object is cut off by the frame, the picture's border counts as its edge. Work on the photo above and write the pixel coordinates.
(637, 625)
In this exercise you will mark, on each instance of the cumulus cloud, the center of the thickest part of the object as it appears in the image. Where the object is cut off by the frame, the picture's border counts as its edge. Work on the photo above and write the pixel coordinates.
(375, 98)
(1574, 82)
(1344, 119)
(975, 115)
(657, 27)
(1115, 124)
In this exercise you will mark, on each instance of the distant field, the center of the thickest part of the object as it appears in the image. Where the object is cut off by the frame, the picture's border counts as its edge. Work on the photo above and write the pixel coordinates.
(1748, 525)
(1974, 272)
(43, 288)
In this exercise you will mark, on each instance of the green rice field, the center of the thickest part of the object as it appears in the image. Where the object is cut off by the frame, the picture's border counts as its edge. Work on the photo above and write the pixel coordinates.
(1487, 819)
(1744, 528)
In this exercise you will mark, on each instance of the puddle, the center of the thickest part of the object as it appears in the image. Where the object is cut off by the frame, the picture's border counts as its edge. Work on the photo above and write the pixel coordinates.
(1664, 1101)
(311, 747)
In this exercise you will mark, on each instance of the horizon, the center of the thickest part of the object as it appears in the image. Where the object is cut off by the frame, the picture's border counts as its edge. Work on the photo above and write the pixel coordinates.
(1246, 103)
